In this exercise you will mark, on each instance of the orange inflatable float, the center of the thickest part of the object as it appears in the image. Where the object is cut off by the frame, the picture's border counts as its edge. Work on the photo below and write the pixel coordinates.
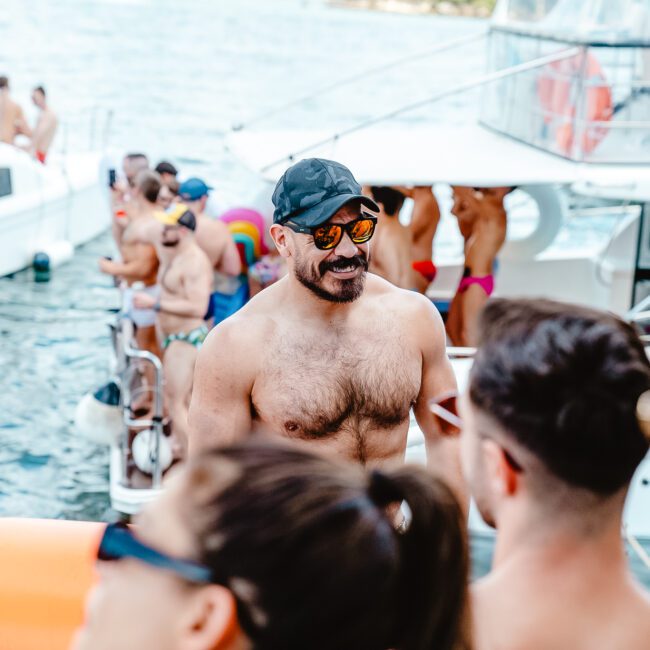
(46, 569)
(558, 96)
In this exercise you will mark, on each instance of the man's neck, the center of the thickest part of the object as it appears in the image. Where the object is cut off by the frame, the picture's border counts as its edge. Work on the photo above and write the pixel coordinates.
(548, 546)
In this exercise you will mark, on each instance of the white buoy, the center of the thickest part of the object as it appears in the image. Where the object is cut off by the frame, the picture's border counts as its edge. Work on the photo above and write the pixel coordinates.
(144, 449)
(98, 421)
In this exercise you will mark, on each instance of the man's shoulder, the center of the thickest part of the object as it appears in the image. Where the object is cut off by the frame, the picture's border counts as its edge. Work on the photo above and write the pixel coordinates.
(401, 300)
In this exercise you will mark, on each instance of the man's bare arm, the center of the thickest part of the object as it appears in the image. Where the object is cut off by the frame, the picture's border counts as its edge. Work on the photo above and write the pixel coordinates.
(443, 453)
(220, 410)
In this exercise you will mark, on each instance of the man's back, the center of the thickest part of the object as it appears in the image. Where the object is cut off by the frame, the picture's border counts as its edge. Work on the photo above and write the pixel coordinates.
(12, 120)
(562, 608)
(216, 241)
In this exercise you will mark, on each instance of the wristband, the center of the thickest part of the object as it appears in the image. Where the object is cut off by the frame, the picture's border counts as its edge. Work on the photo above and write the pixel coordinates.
(156, 307)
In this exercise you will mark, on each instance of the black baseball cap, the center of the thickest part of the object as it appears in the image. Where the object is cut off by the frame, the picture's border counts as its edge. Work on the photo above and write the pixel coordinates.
(165, 167)
(313, 190)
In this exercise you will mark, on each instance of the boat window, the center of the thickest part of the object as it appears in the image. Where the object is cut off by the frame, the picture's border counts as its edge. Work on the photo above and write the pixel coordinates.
(5, 182)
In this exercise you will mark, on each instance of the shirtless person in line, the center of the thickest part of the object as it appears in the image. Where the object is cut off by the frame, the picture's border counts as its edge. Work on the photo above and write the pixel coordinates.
(423, 227)
(139, 259)
(391, 244)
(329, 356)
(482, 222)
(212, 235)
(45, 126)
(555, 422)
(12, 118)
(185, 280)
(132, 164)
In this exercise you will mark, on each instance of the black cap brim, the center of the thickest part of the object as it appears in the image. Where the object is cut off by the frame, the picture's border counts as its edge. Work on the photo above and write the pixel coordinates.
(326, 209)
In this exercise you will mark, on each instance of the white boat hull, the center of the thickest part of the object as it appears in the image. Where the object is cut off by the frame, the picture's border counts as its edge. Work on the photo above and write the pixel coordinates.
(63, 204)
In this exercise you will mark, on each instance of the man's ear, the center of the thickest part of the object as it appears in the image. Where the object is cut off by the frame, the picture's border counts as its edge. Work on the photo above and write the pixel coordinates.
(504, 480)
(209, 621)
(279, 235)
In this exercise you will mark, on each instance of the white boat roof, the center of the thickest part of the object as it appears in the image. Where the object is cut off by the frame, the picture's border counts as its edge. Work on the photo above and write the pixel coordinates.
(467, 155)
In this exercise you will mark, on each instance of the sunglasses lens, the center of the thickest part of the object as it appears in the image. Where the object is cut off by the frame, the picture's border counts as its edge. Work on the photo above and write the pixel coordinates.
(362, 230)
(112, 544)
(328, 236)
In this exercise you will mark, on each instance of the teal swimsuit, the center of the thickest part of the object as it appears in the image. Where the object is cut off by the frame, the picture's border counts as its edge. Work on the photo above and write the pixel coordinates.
(194, 337)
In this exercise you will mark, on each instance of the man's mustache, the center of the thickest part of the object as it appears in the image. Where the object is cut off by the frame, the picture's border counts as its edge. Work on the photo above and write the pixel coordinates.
(342, 263)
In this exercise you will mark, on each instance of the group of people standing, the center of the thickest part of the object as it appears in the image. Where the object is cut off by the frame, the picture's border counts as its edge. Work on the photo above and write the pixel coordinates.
(294, 524)
(13, 122)
(402, 253)
(170, 251)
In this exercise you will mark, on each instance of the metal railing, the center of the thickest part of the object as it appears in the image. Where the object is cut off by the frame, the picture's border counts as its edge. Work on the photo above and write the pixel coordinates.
(128, 356)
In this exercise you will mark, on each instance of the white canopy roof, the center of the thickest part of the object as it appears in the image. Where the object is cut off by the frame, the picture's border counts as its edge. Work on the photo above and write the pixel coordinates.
(467, 155)
(615, 21)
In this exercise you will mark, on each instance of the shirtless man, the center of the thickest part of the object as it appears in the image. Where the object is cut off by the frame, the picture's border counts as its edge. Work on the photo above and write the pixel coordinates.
(12, 118)
(550, 441)
(132, 164)
(482, 221)
(328, 356)
(391, 245)
(45, 126)
(139, 259)
(185, 282)
(423, 227)
(212, 235)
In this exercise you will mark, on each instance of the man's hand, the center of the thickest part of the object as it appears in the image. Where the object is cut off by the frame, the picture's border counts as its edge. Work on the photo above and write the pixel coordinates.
(107, 266)
(144, 301)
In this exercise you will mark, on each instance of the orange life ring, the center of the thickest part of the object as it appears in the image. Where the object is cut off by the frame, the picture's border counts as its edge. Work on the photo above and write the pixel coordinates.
(558, 96)
(46, 569)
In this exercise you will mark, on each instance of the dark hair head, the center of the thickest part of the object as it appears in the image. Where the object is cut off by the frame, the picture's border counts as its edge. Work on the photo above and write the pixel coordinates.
(40, 89)
(390, 198)
(137, 157)
(310, 550)
(4, 82)
(165, 167)
(563, 381)
(149, 184)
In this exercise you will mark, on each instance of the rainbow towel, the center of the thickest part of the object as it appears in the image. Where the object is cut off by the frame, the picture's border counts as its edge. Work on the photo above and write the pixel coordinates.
(247, 229)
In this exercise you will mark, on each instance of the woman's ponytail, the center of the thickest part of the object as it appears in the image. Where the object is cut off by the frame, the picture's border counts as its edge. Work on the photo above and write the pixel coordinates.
(433, 603)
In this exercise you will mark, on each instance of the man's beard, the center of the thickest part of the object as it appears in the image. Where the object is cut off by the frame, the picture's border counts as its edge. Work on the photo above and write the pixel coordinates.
(349, 289)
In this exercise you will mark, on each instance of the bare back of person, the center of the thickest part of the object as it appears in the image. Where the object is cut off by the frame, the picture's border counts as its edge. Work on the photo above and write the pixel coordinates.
(562, 606)
(44, 131)
(215, 239)
(136, 246)
(391, 253)
(12, 120)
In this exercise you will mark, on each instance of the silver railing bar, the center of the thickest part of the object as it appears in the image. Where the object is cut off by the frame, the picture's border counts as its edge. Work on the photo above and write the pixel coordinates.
(157, 422)
(442, 47)
(475, 82)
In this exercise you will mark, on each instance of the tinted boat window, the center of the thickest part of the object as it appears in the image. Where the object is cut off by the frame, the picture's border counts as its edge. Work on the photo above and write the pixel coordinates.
(5, 182)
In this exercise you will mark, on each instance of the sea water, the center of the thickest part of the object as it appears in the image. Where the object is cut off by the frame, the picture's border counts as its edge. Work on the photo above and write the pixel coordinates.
(175, 76)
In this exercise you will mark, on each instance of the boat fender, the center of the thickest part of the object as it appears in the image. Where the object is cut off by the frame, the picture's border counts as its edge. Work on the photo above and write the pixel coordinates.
(42, 267)
(98, 416)
(551, 204)
(143, 449)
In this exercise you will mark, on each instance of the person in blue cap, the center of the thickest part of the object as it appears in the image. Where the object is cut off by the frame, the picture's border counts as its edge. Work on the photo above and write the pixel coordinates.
(212, 235)
(329, 355)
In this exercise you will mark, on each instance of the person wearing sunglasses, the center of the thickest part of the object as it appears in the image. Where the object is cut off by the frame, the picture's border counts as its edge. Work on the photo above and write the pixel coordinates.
(330, 355)
(550, 441)
(268, 547)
